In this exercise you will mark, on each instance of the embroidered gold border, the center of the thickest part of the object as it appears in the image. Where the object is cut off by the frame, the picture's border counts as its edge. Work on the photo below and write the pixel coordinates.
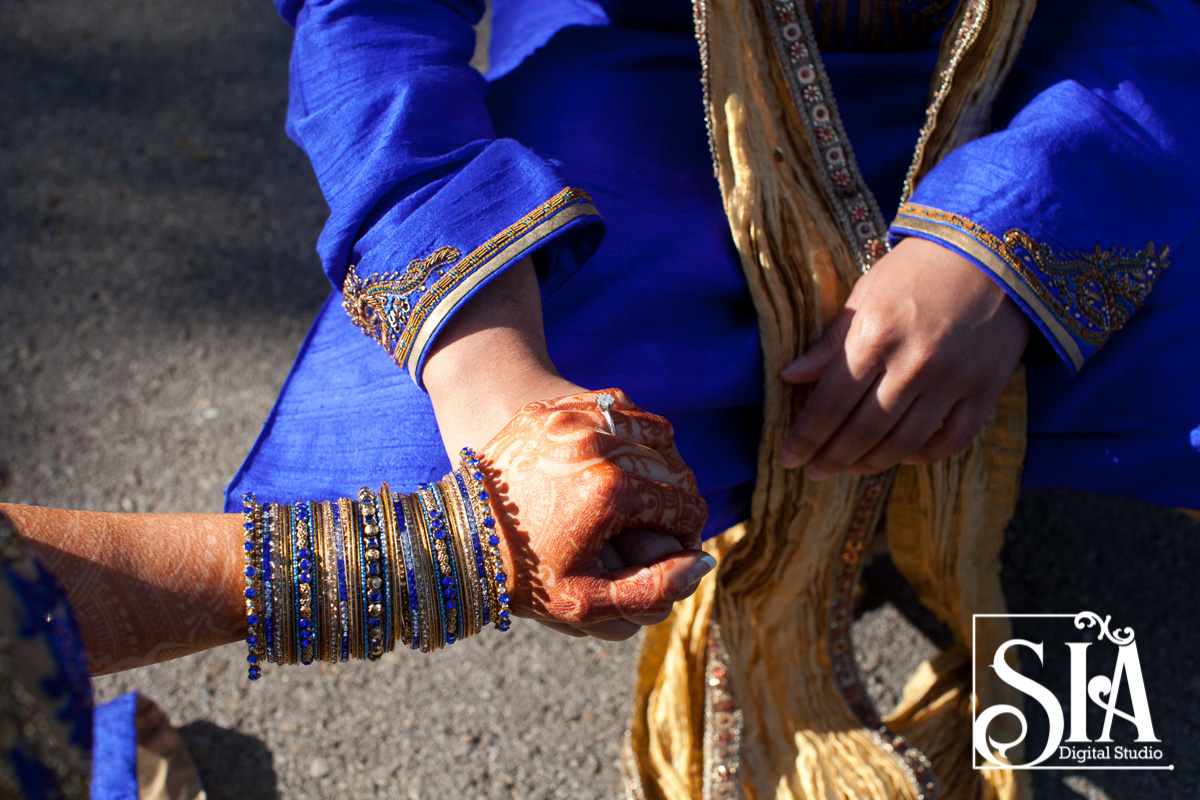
(470, 271)
(990, 251)
(565, 207)
(974, 14)
(847, 195)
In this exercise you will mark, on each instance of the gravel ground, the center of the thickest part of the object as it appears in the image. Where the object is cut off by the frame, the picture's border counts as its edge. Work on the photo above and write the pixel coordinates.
(156, 250)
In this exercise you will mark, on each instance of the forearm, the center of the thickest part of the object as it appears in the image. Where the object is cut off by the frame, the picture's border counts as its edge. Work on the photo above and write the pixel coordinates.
(490, 360)
(144, 587)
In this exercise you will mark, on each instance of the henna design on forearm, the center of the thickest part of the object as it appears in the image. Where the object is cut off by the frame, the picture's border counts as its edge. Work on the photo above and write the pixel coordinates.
(144, 587)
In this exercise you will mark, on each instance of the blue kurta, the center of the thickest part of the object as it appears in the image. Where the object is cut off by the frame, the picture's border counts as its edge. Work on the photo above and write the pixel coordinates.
(1096, 146)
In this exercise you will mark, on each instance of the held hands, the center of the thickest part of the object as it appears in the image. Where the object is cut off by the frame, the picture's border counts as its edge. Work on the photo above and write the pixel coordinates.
(596, 529)
(911, 368)
(565, 490)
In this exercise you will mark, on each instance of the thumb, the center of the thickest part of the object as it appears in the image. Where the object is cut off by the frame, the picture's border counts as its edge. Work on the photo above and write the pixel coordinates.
(809, 367)
(653, 589)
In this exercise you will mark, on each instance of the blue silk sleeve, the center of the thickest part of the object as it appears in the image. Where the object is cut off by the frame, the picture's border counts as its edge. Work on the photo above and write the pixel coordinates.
(1074, 204)
(426, 204)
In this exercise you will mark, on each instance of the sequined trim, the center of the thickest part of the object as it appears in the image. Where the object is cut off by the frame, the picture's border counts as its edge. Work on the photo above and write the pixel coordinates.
(629, 765)
(396, 309)
(851, 201)
(700, 24)
(1079, 296)
(867, 514)
(724, 723)
(968, 31)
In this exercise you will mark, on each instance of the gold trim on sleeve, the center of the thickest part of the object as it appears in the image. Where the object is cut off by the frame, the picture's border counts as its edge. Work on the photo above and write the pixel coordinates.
(1079, 296)
(383, 305)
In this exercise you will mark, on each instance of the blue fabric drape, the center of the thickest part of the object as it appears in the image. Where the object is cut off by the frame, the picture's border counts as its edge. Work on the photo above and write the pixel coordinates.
(1095, 145)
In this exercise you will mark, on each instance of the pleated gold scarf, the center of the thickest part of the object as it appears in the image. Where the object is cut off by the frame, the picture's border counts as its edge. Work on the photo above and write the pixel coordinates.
(750, 688)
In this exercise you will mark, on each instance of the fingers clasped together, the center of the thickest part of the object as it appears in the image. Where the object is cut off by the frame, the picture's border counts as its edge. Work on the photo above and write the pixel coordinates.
(600, 529)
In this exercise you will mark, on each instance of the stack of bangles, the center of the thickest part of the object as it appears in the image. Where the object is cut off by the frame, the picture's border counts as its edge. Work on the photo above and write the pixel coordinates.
(348, 580)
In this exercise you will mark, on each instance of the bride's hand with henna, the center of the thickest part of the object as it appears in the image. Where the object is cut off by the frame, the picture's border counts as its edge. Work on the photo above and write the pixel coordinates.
(563, 488)
(600, 523)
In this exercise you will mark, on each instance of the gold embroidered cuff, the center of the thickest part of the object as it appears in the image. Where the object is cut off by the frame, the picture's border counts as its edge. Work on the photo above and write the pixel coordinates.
(403, 310)
(1077, 298)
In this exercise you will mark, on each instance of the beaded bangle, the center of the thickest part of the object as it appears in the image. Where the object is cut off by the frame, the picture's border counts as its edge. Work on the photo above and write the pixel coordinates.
(339, 545)
(333, 582)
(472, 526)
(451, 597)
(479, 499)
(253, 537)
(444, 583)
(374, 577)
(394, 561)
(303, 569)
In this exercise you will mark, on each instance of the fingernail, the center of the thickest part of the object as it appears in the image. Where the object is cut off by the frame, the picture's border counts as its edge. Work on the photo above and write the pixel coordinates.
(701, 568)
(817, 474)
(790, 459)
(791, 368)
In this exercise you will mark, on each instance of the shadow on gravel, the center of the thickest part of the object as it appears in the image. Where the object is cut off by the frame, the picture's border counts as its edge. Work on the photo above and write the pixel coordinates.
(233, 766)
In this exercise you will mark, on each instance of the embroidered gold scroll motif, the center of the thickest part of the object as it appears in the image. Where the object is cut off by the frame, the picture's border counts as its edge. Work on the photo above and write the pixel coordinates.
(1088, 295)
(396, 309)
(1094, 293)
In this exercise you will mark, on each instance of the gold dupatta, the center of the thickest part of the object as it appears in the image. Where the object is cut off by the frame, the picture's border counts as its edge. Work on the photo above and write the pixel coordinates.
(750, 688)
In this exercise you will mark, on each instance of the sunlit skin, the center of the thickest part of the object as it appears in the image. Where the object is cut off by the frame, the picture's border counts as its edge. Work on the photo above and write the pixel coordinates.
(567, 486)
(151, 587)
(485, 365)
(910, 370)
(598, 529)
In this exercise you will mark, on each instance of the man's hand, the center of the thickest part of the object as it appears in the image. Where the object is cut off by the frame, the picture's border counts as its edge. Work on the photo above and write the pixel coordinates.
(911, 368)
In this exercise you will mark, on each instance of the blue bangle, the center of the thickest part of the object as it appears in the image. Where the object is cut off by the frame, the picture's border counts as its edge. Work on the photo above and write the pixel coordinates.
(253, 537)
(453, 595)
(479, 495)
(304, 569)
(480, 564)
(339, 547)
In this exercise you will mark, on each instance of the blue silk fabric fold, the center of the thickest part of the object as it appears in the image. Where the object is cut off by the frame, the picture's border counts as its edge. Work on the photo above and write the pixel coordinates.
(607, 98)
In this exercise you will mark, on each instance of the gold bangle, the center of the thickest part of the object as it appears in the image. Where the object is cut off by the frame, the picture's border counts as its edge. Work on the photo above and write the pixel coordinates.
(397, 596)
(325, 607)
(349, 514)
(468, 579)
(430, 595)
(285, 597)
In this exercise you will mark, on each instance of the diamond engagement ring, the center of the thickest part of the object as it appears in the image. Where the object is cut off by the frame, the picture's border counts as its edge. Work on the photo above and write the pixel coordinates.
(605, 401)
